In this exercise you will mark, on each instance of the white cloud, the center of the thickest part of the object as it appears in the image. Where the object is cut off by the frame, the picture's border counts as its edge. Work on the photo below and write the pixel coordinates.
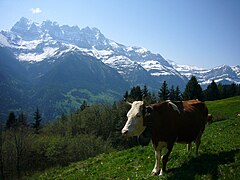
(36, 10)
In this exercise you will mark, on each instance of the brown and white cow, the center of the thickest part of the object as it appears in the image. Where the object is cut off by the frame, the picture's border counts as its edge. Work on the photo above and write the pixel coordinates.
(166, 123)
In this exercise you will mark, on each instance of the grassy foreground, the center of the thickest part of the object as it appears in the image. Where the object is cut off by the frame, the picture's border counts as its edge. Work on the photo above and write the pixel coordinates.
(219, 155)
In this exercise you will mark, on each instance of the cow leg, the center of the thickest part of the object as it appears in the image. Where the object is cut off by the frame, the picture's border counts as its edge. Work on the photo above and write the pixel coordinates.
(165, 158)
(197, 143)
(189, 147)
(158, 150)
(156, 168)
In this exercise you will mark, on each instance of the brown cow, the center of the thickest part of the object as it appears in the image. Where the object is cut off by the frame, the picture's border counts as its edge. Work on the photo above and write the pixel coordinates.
(166, 123)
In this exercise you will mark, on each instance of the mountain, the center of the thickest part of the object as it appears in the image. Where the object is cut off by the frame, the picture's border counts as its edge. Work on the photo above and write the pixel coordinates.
(222, 74)
(33, 42)
(55, 68)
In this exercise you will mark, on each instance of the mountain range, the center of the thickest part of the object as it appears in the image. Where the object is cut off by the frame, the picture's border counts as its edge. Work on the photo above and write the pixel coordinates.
(55, 68)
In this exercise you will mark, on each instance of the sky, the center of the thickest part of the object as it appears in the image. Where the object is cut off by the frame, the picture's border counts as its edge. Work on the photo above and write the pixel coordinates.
(203, 33)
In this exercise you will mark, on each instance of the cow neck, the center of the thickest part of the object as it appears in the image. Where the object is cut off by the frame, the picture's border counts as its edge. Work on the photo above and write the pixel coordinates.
(148, 121)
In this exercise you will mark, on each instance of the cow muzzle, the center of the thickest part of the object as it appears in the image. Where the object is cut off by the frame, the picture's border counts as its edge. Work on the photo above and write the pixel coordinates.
(124, 132)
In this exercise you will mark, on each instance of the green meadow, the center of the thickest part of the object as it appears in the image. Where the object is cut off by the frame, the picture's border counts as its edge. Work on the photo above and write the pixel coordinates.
(219, 155)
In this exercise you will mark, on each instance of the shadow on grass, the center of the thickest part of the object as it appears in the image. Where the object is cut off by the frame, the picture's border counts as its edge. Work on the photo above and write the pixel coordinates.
(206, 164)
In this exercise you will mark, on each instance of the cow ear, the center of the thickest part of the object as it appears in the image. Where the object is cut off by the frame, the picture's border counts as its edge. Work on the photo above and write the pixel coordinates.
(149, 109)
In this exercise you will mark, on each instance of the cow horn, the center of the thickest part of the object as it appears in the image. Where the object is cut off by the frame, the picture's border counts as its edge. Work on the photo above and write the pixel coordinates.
(127, 102)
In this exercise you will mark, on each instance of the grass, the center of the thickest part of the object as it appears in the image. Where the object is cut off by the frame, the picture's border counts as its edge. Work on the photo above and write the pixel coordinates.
(219, 155)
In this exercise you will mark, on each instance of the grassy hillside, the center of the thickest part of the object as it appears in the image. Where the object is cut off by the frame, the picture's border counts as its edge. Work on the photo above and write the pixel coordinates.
(219, 155)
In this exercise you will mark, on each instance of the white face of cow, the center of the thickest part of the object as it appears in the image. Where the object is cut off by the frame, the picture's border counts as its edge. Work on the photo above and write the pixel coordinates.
(134, 125)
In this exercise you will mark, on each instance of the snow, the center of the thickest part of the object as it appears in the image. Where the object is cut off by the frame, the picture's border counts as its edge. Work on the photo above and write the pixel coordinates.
(141, 50)
(119, 60)
(4, 41)
(29, 44)
(157, 68)
(123, 58)
(236, 69)
(129, 49)
(113, 44)
(101, 54)
(123, 64)
(152, 64)
(29, 24)
(34, 57)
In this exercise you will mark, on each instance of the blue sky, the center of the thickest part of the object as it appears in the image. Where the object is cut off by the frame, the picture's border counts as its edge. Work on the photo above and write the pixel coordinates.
(205, 33)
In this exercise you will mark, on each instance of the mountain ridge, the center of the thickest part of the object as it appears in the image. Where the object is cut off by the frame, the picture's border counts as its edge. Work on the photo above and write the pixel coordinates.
(83, 61)
(36, 42)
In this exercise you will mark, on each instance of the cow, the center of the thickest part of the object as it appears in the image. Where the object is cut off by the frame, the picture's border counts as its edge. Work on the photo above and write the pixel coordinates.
(165, 123)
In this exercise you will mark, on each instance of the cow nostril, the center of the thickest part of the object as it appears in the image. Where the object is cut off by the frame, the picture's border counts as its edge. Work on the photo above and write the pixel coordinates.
(124, 132)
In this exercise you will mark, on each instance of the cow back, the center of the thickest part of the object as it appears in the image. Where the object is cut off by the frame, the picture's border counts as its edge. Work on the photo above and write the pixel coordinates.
(193, 118)
(181, 126)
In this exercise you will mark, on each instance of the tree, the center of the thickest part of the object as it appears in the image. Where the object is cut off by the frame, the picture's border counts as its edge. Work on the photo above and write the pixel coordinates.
(146, 95)
(2, 138)
(233, 90)
(125, 95)
(220, 90)
(193, 90)
(136, 93)
(11, 121)
(172, 93)
(145, 92)
(163, 94)
(16, 133)
(153, 98)
(22, 120)
(37, 121)
(84, 105)
(212, 92)
(178, 94)
(175, 94)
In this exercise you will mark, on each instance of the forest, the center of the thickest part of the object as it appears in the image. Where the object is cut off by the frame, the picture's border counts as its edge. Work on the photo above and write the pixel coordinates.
(29, 146)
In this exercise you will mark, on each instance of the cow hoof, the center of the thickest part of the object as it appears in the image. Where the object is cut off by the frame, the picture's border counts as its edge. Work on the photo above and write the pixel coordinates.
(161, 173)
(155, 173)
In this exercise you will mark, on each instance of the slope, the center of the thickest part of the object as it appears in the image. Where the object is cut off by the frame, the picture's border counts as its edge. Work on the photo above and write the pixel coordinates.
(14, 83)
(219, 155)
(72, 79)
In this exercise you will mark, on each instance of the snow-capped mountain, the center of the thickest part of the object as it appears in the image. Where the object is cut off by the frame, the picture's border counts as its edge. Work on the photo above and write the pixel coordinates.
(33, 42)
(56, 67)
(222, 74)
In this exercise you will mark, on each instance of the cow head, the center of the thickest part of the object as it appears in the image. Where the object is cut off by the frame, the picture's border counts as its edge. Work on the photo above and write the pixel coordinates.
(134, 125)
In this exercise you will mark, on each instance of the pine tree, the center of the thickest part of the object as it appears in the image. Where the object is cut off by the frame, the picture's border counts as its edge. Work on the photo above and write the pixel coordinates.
(193, 90)
(145, 92)
(22, 120)
(11, 121)
(212, 92)
(233, 90)
(84, 105)
(146, 95)
(153, 98)
(172, 93)
(136, 93)
(220, 89)
(37, 121)
(163, 94)
(178, 94)
(125, 97)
